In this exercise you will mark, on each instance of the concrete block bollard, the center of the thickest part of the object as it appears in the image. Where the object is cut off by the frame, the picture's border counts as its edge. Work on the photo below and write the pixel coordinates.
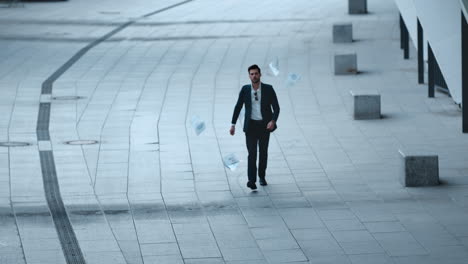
(357, 6)
(366, 106)
(419, 169)
(345, 64)
(343, 33)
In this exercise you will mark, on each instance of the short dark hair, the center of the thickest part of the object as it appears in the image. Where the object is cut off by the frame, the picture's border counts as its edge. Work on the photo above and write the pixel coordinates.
(254, 67)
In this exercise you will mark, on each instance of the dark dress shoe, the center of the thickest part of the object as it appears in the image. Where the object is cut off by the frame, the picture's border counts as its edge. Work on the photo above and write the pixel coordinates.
(252, 185)
(263, 182)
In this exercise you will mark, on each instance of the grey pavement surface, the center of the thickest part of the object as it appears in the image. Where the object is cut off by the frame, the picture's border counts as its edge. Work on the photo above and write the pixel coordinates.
(152, 191)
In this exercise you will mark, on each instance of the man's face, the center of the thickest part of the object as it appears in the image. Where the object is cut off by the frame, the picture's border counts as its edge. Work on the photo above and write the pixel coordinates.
(254, 76)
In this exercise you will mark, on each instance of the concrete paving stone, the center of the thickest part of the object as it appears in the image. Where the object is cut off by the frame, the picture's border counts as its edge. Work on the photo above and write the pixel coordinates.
(308, 221)
(400, 244)
(371, 258)
(13, 258)
(285, 256)
(231, 243)
(133, 260)
(455, 252)
(9, 234)
(307, 187)
(212, 186)
(384, 227)
(189, 228)
(176, 259)
(131, 250)
(277, 244)
(290, 202)
(311, 234)
(99, 246)
(415, 259)
(344, 224)
(42, 256)
(247, 262)
(264, 221)
(389, 195)
(270, 232)
(113, 156)
(415, 218)
(227, 219)
(186, 214)
(320, 247)
(242, 254)
(164, 235)
(464, 240)
(427, 241)
(361, 247)
(338, 214)
(371, 211)
(149, 211)
(42, 244)
(254, 202)
(282, 188)
(160, 249)
(459, 230)
(324, 199)
(235, 232)
(342, 259)
(205, 260)
(353, 236)
(219, 207)
(8, 250)
(198, 238)
(191, 250)
(93, 231)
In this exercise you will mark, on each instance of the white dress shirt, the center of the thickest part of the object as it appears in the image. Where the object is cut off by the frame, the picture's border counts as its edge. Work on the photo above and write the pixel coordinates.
(256, 109)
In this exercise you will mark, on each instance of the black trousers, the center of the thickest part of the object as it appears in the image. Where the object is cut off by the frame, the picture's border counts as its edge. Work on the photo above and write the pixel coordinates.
(257, 135)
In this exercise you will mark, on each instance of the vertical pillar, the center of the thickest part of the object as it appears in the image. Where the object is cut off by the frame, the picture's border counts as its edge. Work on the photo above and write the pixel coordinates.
(406, 45)
(401, 32)
(464, 67)
(420, 54)
(404, 38)
(431, 71)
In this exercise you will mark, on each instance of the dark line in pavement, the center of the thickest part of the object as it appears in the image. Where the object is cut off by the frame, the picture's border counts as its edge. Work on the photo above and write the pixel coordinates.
(70, 246)
(118, 39)
(47, 85)
(146, 23)
(67, 237)
(42, 128)
(166, 8)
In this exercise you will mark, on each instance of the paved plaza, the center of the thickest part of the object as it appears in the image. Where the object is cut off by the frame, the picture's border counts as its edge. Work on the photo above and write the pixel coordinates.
(100, 162)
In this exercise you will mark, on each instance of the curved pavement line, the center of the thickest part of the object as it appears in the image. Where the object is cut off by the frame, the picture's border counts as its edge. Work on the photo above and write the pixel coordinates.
(73, 22)
(67, 237)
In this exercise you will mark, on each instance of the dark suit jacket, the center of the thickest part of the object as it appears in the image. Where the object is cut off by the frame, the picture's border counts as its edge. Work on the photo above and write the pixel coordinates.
(269, 105)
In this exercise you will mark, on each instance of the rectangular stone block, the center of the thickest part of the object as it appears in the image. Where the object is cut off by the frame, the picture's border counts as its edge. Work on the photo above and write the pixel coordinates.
(345, 64)
(343, 33)
(357, 6)
(419, 169)
(366, 106)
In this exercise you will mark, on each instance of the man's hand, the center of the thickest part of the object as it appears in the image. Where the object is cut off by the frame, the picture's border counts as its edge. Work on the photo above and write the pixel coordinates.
(232, 130)
(271, 125)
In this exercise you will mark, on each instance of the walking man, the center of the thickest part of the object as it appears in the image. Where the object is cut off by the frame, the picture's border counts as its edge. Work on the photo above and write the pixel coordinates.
(261, 113)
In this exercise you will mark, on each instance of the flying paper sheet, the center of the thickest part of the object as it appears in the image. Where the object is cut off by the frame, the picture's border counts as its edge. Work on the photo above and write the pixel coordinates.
(274, 67)
(198, 125)
(231, 161)
(292, 79)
